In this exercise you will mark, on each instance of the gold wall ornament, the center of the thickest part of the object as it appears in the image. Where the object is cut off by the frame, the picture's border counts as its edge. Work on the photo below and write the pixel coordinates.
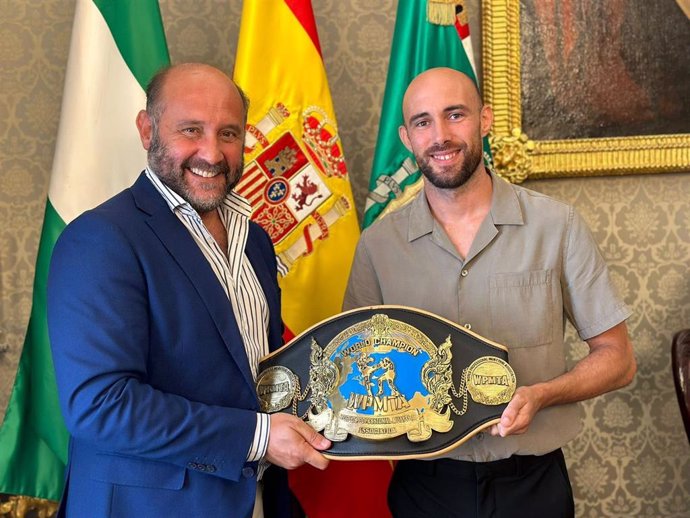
(22, 506)
(502, 59)
(381, 378)
(511, 155)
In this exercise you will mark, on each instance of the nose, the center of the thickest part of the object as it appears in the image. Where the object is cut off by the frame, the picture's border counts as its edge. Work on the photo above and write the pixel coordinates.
(210, 149)
(442, 133)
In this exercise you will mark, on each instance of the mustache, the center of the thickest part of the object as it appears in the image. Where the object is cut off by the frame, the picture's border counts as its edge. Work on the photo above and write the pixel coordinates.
(448, 146)
(221, 167)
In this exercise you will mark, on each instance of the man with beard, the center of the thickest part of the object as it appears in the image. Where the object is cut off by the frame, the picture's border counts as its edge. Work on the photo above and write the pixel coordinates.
(512, 265)
(160, 303)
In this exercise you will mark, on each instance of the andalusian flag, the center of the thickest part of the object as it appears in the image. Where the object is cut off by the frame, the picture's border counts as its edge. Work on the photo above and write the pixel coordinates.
(116, 48)
(297, 181)
(428, 34)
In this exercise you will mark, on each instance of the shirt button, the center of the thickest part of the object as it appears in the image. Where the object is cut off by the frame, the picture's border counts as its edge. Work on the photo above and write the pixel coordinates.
(480, 436)
(464, 273)
(468, 326)
(247, 472)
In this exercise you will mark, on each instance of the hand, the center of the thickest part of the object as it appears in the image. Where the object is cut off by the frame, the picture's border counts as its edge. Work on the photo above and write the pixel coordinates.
(292, 442)
(519, 413)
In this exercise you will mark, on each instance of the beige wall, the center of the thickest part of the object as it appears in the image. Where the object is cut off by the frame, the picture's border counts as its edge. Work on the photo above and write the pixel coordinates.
(632, 458)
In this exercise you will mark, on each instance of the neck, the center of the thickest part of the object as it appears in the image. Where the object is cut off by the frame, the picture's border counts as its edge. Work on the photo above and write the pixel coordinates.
(465, 201)
(460, 211)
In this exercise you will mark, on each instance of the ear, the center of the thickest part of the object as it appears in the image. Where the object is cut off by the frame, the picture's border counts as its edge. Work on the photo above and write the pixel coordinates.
(145, 128)
(404, 137)
(486, 118)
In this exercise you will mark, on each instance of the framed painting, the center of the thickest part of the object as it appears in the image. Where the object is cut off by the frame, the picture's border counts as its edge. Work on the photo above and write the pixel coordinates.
(585, 88)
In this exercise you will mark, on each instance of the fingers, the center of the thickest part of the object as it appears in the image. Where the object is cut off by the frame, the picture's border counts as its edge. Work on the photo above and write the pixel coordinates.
(318, 441)
(316, 459)
(314, 438)
(292, 443)
(518, 414)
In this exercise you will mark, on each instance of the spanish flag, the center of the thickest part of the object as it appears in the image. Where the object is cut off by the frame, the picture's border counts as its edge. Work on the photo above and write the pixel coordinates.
(297, 182)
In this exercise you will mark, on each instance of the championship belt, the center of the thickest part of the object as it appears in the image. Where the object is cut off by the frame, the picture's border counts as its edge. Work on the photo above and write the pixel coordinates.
(388, 382)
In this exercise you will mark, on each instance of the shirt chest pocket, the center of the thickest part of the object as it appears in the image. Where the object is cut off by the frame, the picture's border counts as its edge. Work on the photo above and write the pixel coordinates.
(521, 305)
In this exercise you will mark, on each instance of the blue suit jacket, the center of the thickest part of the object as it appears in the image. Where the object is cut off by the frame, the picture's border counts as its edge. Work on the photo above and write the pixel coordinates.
(152, 375)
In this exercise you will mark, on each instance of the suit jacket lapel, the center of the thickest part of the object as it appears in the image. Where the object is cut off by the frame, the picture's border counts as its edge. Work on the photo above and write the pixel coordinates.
(191, 260)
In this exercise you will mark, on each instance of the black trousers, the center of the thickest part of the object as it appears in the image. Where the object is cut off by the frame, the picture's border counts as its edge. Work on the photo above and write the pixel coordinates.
(522, 486)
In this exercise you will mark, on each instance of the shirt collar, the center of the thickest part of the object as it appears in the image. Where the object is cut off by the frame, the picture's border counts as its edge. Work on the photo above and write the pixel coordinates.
(505, 205)
(505, 209)
(233, 202)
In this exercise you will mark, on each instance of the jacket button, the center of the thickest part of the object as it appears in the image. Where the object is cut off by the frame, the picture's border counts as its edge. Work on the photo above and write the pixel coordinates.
(211, 468)
(248, 472)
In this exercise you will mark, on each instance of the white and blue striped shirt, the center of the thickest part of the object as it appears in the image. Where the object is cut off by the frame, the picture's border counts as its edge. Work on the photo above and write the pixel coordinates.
(236, 276)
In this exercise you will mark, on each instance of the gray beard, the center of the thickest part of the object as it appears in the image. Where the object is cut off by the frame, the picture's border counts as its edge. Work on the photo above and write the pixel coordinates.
(163, 165)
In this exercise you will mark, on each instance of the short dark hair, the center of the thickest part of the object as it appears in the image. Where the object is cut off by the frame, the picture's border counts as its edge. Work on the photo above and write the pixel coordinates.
(153, 93)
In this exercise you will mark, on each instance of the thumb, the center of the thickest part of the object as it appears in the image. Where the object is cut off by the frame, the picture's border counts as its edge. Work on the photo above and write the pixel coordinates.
(507, 419)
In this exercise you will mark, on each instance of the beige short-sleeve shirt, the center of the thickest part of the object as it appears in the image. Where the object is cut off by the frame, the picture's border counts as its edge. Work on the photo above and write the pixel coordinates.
(533, 263)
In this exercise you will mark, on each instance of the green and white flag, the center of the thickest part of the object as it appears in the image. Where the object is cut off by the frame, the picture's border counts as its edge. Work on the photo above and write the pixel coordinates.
(418, 44)
(116, 47)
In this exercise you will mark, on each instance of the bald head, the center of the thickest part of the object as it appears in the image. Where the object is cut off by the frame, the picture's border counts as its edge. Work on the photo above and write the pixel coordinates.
(190, 74)
(438, 84)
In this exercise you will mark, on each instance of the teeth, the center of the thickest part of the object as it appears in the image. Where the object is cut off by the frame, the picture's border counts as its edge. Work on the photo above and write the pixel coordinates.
(202, 173)
(444, 157)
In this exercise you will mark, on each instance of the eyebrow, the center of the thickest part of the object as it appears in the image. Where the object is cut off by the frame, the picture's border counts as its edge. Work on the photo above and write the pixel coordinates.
(187, 122)
(196, 122)
(447, 109)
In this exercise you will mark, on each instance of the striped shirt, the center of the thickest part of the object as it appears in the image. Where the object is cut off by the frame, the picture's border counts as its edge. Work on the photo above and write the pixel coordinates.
(238, 279)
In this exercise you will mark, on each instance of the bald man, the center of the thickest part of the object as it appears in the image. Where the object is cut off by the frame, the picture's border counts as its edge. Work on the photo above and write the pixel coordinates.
(160, 303)
(512, 265)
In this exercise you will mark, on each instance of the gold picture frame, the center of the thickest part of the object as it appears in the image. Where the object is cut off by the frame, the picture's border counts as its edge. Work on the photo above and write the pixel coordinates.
(517, 156)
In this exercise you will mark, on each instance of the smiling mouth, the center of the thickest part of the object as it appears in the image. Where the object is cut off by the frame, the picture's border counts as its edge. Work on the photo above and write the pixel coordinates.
(203, 172)
(442, 157)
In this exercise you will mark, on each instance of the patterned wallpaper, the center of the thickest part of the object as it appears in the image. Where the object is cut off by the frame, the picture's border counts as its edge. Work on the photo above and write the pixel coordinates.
(631, 459)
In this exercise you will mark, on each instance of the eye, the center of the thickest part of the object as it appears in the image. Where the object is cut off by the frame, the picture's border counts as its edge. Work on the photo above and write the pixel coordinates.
(229, 135)
(191, 131)
(455, 116)
(423, 123)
